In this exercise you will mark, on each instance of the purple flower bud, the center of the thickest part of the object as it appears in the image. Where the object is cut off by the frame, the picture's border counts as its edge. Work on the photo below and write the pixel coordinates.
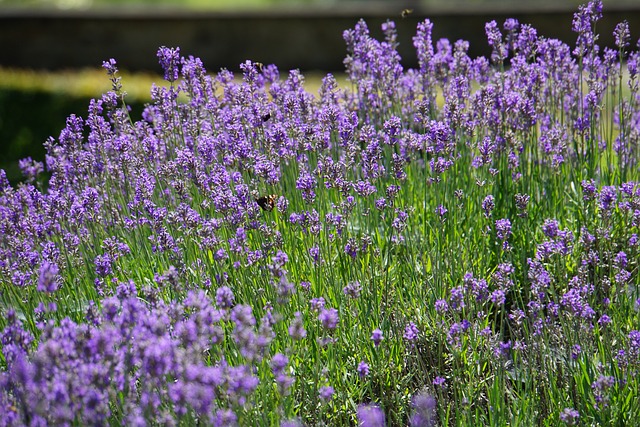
(488, 204)
(569, 416)
(169, 59)
(48, 277)
(439, 381)
(296, 328)
(410, 332)
(622, 35)
(377, 337)
(329, 318)
(278, 362)
(326, 393)
(224, 297)
(352, 289)
(363, 369)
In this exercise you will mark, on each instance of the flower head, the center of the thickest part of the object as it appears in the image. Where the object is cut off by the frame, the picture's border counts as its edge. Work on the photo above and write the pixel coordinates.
(370, 416)
(48, 278)
(296, 328)
(377, 337)
(169, 61)
(326, 393)
(363, 369)
(424, 411)
(569, 416)
(329, 318)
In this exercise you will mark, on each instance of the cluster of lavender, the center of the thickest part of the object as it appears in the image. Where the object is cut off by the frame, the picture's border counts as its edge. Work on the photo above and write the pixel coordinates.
(415, 248)
(130, 362)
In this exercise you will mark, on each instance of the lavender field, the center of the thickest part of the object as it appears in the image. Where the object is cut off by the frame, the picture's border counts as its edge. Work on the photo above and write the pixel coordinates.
(450, 245)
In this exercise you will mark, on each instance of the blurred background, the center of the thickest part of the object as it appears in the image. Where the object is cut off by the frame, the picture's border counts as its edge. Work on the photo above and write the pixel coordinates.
(52, 50)
(233, 4)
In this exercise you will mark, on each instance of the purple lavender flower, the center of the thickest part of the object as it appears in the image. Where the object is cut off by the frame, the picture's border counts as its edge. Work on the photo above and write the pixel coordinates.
(589, 190)
(364, 188)
(424, 411)
(314, 253)
(280, 259)
(48, 278)
(621, 259)
(634, 342)
(488, 204)
(381, 203)
(103, 265)
(278, 362)
(498, 297)
(351, 248)
(600, 389)
(607, 197)
(224, 297)
(242, 315)
(363, 369)
(583, 22)
(112, 71)
(353, 289)
(439, 381)
(410, 332)
(225, 418)
(400, 221)
(284, 289)
(522, 200)
(503, 349)
(296, 328)
(604, 320)
(326, 393)
(569, 416)
(306, 183)
(169, 61)
(575, 351)
(317, 304)
(622, 35)
(503, 231)
(486, 148)
(550, 228)
(30, 168)
(14, 337)
(370, 416)
(456, 300)
(377, 337)
(494, 36)
(110, 66)
(328, 318)
(441, 306)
